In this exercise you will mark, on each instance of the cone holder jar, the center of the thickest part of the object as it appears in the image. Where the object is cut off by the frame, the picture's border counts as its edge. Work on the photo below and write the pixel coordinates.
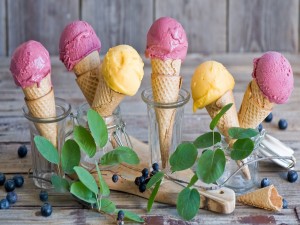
(175, 129)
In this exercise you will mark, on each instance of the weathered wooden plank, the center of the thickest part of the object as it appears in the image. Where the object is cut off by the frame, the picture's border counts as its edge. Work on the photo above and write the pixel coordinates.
(259, 25)
(39, 20)
(3, 49)
(203, 20)
(119, 22)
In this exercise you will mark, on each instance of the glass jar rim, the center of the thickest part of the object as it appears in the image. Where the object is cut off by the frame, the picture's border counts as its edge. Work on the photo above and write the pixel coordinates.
(147, 96)
(59, 102)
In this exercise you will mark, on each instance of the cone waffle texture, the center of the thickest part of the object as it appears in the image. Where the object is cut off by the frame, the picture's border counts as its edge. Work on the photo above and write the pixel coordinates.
(87, 72)
(255, 107)
(106, 100)
(165, 89)
(44, 107)
(265, 198)
(168, 67)
(36, 91)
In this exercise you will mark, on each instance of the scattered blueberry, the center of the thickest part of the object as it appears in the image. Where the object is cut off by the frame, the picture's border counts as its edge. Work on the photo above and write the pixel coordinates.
(19, 180)
(9, 185)
(115, 178)
(147, 180)
(22, 151)
(4, 204)
(260, 127)
(284, 204)
(137, 181)
(43, 195)
(269, 118)
(2, 178)
(12, 197)
(46, 209)
(155, 166)
(142, 187)
(265, 182)
(121, 215)
(282, 124)
(153, 172)
(145, 172)
(292, 176)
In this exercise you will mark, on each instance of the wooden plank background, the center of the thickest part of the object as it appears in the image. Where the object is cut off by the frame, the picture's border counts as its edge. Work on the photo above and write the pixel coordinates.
(212, 26)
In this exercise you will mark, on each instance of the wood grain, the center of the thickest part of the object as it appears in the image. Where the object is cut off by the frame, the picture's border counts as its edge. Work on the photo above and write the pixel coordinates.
(119, 21)
(263, 25)
(2, 28)
(203, 20)
(42, 21)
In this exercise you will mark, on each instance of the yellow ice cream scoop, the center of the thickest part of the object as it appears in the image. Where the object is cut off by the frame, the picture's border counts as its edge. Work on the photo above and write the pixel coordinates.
(210, 81)
(123, 69)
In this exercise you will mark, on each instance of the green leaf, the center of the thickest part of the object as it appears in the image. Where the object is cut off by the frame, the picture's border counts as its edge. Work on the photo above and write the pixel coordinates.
(70, 156)
(47, 149)
(87, 179)
(98, 128)
(133, 216)
(157, 177)
(211, 165)
(193, 180)
(107, 206)
(242, 148)
(104, 189)
(153, 195)
(240, 133)
(207, 140)
(178, 159)
(85, 140)
(82, 192)
(60, 184)
(216, 119)
(120, 155)
(188, 203)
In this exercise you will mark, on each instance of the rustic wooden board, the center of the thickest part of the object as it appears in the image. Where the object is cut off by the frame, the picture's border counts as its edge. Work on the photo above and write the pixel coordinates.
(119, 21)
(39, 20)
(263, 25)
(203, 20)
(2, 28)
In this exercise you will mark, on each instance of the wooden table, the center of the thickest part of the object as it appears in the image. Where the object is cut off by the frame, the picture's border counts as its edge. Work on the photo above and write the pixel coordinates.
(14, 131)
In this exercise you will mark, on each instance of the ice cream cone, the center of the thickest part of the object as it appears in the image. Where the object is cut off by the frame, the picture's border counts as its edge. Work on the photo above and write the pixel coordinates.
(255, 107)
(265, 198)
(165, 88)
(87, 72)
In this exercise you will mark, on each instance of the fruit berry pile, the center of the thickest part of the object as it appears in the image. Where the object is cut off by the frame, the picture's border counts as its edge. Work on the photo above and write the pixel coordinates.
(142, 181)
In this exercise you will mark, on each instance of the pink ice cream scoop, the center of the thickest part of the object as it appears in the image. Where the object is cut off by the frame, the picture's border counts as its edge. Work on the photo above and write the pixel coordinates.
(274, 76)
(77, 40)
(166, 39)
(30, 63)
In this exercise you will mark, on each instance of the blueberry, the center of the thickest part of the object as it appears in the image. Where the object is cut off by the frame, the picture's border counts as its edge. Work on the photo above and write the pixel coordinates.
(9, 185)
(145, 172)
(121, 215)
(46, 209)
(269, 118)
(137, 181)
(43, 195)
(19, 180)
(155, 166)
(12, 197)
(284, 204)
(22, 151)
(153, 172)
(115, 178)
(4, 204)
(265, 182)
(292, 176)
(260, 127)
(142, 187)
(2, 178)
(147, 180)
(282, 124)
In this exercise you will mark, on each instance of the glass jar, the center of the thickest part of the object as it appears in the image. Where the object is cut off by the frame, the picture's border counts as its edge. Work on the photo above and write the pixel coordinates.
(162, 145)
(41, 168)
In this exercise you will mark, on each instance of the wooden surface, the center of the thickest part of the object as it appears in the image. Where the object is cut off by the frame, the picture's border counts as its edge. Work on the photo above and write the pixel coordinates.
(14, 131)
(212, 26)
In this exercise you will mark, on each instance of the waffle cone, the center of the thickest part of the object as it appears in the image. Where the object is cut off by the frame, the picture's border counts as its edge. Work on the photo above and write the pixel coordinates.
(87, 72)
(255, 107)
(169, 67)
(265, 198)
(165, 90)
(44, 107)
(38, 90)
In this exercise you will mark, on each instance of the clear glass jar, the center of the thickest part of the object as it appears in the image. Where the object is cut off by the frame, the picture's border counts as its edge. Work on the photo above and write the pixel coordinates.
(42, 169)
(176, 110)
